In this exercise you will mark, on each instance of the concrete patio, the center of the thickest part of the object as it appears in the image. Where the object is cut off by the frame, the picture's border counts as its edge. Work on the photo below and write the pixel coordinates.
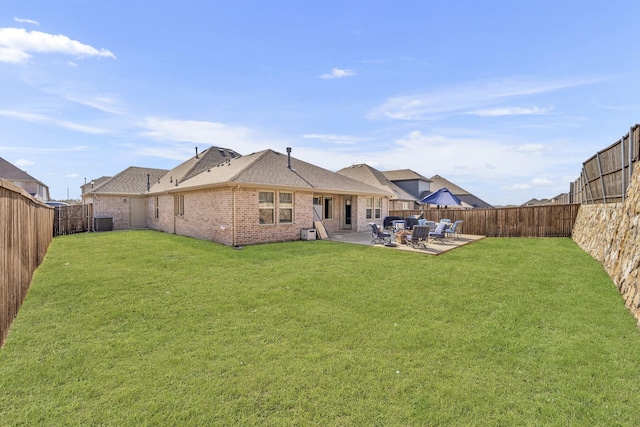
(433, 247)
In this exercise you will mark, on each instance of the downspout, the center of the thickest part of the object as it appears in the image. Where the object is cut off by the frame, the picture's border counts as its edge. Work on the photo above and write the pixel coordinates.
(233, 216)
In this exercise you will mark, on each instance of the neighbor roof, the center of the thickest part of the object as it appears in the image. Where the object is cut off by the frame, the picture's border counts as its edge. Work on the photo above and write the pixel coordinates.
(11, 172)
(132, 180)
(438, 182)
(368, 175)
(404, 175)
(270, 168)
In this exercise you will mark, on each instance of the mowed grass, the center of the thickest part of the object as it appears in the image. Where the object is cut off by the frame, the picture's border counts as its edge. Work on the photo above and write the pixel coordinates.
(145, 328)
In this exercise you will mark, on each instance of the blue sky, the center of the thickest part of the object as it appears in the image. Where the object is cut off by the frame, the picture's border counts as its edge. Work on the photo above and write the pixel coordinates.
(504, 98)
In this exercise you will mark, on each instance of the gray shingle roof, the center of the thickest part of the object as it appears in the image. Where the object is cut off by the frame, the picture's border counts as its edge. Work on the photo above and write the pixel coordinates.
(12, 173)
(132, 180)
(209, 158)
(404, 175)
(438, 182)
(270, 168)
(368, 175)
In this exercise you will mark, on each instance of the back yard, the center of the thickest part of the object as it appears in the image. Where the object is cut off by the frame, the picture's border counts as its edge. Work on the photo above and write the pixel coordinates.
(145, 328)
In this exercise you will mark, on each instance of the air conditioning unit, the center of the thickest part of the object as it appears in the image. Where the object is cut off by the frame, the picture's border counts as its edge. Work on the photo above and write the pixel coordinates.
(308, 234)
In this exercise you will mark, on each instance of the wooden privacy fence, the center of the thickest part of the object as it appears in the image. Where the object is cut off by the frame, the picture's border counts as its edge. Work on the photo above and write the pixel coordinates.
(529, 221)
(607, 174)
(26, 230)
(72, 219)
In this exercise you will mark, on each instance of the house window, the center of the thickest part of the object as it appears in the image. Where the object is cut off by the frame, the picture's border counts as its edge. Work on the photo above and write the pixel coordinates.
(285, 208)
(378, 207)
(369, 208)
(328, 208)
(156, 207)
(178, 206)
(266, 207)
(405, 206)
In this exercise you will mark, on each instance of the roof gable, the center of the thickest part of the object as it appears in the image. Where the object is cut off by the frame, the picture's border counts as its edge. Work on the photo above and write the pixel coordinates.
(132, 180)
(404, 175)
(369, 175)
(203, 162)
(11, 172)
(438, 182)
(270, 168)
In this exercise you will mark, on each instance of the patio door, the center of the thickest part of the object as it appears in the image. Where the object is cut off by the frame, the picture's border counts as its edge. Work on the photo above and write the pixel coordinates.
(346, 223)
(317, 208)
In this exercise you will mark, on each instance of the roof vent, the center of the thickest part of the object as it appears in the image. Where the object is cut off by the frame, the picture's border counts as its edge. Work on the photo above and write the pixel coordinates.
(197, 157)
(289, 157)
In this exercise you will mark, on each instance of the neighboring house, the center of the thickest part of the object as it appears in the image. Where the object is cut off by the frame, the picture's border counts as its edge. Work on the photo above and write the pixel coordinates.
(258, 198)
(562, 198)
(122, 196)
(23, 180)
(411, 182)
(469, 200)
(401, 200)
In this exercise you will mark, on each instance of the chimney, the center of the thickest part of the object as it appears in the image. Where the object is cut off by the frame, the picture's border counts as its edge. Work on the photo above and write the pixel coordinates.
(289, 157)
(197, 153)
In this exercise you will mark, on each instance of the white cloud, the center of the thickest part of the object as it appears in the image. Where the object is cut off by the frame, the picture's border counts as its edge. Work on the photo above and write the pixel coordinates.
(72, 175)
(530, 147)
(534, 183)
(467, 99)
(334, 139)
(15, 43)
(43, 150)
(105, 102)
(39, 118)
(508, 111)
(26, 21)
(24, 162)
(337, 73)
(541, 182)
(237, 138)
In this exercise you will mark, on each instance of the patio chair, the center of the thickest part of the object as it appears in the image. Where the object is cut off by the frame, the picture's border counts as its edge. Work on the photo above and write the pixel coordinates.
(419, 237)
(438, 234)
(398, 225)
(454, 230)
(379, 236)
(431, 224)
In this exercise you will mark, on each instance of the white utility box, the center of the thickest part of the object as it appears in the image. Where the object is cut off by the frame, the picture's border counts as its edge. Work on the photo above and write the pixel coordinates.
(308, 234)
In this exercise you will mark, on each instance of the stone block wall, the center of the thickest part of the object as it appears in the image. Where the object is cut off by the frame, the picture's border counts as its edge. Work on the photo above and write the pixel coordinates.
(610, 233)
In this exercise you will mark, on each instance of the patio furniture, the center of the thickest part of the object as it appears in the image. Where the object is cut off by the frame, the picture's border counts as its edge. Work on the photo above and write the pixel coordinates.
(411, 221)
(419, 236)
(401, 236)
(398, 224)
(379, 236)
(389, 220)
(431, 224)
(438, 234)
(454, 230)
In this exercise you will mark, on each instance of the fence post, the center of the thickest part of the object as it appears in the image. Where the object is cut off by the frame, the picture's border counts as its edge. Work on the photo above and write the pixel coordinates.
(622, 181)
(604, 191)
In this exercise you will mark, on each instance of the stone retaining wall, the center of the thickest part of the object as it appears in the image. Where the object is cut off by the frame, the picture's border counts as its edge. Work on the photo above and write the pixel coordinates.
(610, 233)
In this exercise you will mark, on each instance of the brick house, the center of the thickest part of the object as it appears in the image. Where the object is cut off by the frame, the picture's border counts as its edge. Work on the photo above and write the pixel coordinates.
(23, 180)
(258, 198)
(121, 197)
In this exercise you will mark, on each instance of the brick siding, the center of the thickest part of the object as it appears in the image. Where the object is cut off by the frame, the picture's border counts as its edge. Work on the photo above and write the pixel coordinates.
(208, 216)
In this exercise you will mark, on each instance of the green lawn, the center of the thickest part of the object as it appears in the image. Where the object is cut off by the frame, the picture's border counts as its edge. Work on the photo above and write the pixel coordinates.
(145, 328)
